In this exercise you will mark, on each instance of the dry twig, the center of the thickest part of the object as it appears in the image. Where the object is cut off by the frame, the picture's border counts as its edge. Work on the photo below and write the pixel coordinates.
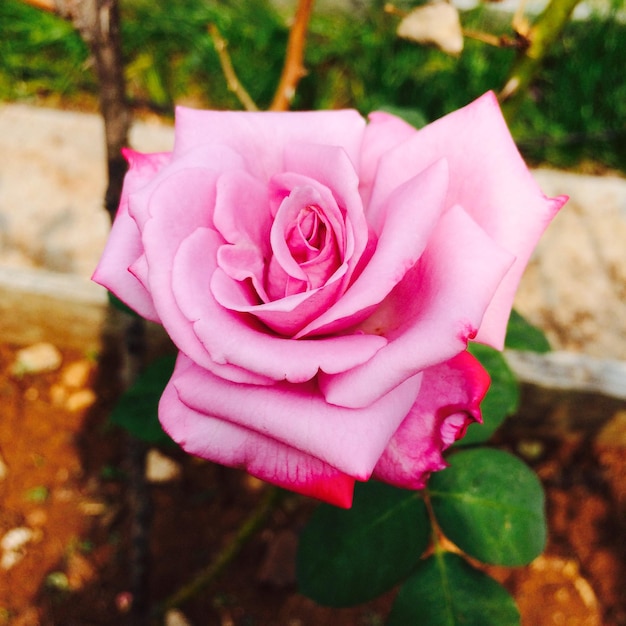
(293, 70)
(221, 47)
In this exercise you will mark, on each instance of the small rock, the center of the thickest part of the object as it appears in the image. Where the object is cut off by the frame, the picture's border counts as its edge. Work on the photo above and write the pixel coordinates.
(80, 400)
(37, 518)
(58, 395)
(436, 23)
(4, 470)
(36, 359)
(174, 617)
(12, 546)
(80, 571)
(76, 375)
(160, 468)
(31, 394)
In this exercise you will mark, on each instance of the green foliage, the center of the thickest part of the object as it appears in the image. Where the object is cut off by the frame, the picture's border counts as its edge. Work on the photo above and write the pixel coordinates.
(137, 409)
(522, 335)
(574, 113)
(445, 590)
(502, 398)
(39, 54)
(488, 503)
(171, 56)
(349, 557)
(491, 505)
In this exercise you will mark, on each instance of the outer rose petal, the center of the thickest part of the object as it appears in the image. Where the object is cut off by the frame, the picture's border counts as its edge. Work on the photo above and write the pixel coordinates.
(263, 457)
(430, 315)
(262, 137)
(383, 133)
(297, 415)
(124, 247)
(448, 401)
(489, 179)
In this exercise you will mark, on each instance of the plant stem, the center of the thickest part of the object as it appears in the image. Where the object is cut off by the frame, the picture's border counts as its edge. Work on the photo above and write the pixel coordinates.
(234, 85)
(206, 576)
(544, 32)
(293, 70)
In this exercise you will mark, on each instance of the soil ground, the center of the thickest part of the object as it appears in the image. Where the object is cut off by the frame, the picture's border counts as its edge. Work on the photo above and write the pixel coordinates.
(66, 484)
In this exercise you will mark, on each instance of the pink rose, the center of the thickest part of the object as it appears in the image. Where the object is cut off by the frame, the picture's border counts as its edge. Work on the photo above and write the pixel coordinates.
(321, 277)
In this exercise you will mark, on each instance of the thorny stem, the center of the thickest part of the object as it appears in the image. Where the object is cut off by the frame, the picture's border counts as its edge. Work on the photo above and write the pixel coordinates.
(293, 70)
(544, 32)
(206, 576)
(221, 47)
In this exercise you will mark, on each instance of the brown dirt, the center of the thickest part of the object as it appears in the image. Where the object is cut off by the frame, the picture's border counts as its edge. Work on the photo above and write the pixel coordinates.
(66, 482)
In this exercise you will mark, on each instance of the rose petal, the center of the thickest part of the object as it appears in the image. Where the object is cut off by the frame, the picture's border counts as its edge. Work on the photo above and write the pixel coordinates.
(240, 340)
(262, 137)
(494, 186)
(285, 316)
(261, 456)
(242, 212)
(448, 401)
(124, 247)
(384, 132)
(412, 214)
(298, 416)
(212, 159)
(430, 315)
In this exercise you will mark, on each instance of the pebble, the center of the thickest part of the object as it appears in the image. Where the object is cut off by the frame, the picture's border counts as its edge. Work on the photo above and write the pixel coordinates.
(76, 375)
(4, 470)
(80, 571)
(80, 400)
(12, 545)
(174, 617)
(160, 468)
(36, 359)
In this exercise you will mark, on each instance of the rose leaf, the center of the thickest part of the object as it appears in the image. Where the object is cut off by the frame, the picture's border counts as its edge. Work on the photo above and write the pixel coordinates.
(502, 398)
(347, 557)
(491, 505)
(522, 335)
(445, 590)
(137, 409)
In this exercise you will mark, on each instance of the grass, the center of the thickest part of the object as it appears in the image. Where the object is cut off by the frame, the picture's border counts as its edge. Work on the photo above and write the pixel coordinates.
(575, 114)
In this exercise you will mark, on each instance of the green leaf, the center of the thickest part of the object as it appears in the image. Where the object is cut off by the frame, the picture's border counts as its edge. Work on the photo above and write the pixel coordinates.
(522, 335)
(501, 400)
(445, 590)
(136, 410)
(349, 557)
(491, 505)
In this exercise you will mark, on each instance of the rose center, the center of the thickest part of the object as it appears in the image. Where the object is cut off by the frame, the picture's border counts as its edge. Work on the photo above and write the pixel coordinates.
(307, 235)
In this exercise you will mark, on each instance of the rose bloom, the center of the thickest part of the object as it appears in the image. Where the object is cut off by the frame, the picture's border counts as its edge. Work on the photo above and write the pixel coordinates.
(321, 276)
